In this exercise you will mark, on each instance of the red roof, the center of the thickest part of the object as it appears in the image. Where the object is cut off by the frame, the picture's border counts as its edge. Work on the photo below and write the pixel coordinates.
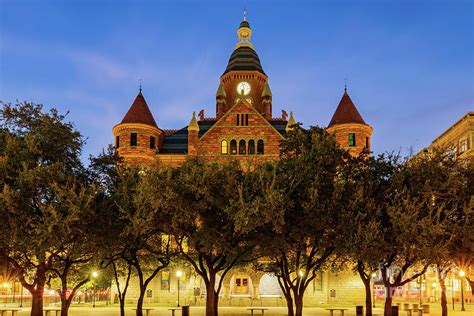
(346, 112)
(139, 112)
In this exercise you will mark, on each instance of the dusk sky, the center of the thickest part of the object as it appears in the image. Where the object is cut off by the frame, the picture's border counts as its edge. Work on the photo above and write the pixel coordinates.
(409, 64)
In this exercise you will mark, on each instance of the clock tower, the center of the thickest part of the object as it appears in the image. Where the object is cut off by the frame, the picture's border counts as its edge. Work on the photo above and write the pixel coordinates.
(244, 78)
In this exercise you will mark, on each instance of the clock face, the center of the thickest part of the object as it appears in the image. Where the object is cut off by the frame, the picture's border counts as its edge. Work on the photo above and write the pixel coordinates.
(243, 88)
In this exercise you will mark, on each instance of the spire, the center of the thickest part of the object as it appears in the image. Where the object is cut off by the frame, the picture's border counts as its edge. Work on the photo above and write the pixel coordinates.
(220, 91)
(244, 33)
(345, 86)
(290, 123)
(193, 124)
(267, 92)
(346, 112)
(139, 112)
(140, 88)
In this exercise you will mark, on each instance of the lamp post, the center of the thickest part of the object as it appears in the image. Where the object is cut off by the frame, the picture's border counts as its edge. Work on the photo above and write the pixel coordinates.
(434, 285)
(461, 275)
(373, 288)
(94, 276)
(178, 275)
(5, 288)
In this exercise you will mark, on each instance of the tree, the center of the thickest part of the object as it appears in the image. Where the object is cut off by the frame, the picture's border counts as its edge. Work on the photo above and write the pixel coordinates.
(370, 177)
(312, 177)
(39, 153)
(137, 234)
(427, 195)
(212, 234)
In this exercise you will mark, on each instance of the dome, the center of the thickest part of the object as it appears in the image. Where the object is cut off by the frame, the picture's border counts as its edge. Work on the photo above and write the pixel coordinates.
(244, 58)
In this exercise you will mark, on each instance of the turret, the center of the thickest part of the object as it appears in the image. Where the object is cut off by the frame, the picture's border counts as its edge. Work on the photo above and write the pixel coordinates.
(193, 136)
(220, 101)
(267, 101)
(349, 128)
(137, 137)
(291, 123)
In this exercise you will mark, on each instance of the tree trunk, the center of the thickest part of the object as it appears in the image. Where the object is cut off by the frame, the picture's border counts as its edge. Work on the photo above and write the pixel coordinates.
(471, 284)
(141, 296)
(212, 298)
(388, 302)
(122, 305)
(37, 301)
(368, 297)
(65, 304)
(299, 305)
(444, 300)
(289, 304)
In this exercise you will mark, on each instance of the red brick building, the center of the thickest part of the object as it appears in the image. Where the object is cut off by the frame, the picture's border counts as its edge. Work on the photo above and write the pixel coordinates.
(243, 127)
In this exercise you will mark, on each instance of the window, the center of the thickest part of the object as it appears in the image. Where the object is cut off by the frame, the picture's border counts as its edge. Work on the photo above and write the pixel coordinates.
(152, 142)
(251, 149)
(238, 119)
(133, 139)
(224, 147)
(246, 120)
(117, 141)
(242, 149)
(242, 119)
(367, 142)
(352, 139)
(233, 147)
(462, 146)
(242, 122)
(260, 147)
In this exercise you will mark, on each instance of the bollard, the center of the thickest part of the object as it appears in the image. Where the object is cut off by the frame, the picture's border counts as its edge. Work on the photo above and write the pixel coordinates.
(394, 310)
(185, 311)
(359, 310)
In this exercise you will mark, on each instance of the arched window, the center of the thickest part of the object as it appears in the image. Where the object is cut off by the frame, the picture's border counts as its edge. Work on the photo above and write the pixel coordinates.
(260, 147)
(242, 149)
(233, 147)
(251, 147)
(224, 147)
(133, 139)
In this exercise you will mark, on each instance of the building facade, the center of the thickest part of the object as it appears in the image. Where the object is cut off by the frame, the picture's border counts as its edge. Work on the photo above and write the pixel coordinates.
(244, 127)
(459, 137)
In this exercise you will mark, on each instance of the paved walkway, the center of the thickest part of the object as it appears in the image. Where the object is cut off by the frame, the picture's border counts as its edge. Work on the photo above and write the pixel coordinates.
(242, 311)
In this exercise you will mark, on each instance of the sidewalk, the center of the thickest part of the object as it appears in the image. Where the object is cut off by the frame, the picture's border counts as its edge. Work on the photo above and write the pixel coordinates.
(241, 311)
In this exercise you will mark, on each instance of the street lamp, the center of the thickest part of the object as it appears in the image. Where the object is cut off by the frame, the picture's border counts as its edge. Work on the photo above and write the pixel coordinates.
(94, 276)
(434, 285)
(373, 288)
(462, 274)
(5, 287)
(178, 275)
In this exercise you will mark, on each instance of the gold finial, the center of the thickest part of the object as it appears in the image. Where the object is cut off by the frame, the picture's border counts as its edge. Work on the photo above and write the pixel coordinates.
(193, 124)
(291, 122)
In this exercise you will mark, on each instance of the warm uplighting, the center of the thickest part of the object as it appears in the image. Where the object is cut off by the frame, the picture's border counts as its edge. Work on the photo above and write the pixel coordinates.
(95, 274)
(461, 273)
(179, 273)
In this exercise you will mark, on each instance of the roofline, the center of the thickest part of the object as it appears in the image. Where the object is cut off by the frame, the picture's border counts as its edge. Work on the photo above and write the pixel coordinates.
(471, 113)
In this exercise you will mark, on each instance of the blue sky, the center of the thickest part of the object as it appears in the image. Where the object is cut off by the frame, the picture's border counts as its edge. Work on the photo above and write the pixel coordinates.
(409, 64)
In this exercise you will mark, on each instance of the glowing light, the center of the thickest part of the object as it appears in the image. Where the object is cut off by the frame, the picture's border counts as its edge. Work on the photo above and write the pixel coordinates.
(95, 274)
(5, 285)
(374, 274)
(461, 273)
(179, 273)
(301, 273)
(51, 292)
(434, 284)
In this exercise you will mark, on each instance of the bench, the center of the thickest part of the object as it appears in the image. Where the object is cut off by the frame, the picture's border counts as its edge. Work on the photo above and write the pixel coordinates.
(251, 309)
(331, 311)
(50, 311)
(147, 310)
(173, 309)
(4, 311)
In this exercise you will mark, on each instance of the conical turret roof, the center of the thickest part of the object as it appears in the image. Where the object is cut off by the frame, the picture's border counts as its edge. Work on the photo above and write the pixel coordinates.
(346, 112)
(139, 112)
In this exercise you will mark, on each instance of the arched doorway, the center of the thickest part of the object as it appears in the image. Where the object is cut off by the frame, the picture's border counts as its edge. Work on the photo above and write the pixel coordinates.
(241, 285)
(269, 285)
